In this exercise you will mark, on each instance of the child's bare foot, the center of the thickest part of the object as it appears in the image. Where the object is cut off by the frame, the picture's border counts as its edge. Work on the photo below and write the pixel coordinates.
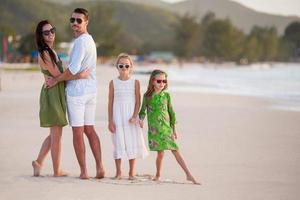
(84, 176)
(100, 174)
(191, 178)
(36, 168)
(61, 174)
(156, 178)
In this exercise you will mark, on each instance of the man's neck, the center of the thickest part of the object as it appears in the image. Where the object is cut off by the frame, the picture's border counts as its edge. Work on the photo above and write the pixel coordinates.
(77, 34)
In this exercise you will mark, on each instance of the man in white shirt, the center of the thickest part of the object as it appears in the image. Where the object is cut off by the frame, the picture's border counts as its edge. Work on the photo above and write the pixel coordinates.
(81, 93)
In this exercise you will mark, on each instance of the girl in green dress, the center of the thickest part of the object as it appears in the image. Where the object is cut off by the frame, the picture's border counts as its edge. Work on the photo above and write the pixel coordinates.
(52, 100)
(161, 122)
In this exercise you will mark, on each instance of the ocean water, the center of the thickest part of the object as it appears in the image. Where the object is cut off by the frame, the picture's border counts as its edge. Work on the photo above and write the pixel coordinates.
(278, 81)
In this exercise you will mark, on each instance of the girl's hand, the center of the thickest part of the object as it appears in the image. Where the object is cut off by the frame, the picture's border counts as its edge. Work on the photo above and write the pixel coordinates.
(174, 136)
(84, 74)
(50, 82)
(133, 120)
(112, 127)
(141, 122)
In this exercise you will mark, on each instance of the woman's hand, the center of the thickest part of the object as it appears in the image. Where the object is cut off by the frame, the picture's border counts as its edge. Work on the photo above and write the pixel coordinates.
(112, 127)
(84, 74)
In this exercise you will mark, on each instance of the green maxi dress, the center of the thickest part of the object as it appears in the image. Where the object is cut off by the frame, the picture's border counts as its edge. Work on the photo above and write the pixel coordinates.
(53, 102)
(161, 118)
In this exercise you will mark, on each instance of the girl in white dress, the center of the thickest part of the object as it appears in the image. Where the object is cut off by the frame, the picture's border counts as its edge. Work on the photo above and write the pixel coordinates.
(123, 107)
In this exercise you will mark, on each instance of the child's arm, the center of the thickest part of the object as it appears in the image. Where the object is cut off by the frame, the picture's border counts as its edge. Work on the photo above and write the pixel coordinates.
(172, 117)
(142, 112)
(111, 124)
(137, 102)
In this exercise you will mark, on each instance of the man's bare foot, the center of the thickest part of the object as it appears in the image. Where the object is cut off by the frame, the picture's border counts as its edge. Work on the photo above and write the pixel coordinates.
(61, 174)
(132, 178)
(118, 177)
(84, 176)
(156, 178)
(100, 174)
(36, 168)
(191, 178)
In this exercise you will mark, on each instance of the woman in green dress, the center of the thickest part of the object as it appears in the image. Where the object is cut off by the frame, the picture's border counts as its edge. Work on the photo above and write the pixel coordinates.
(52, 100)
(161, 122)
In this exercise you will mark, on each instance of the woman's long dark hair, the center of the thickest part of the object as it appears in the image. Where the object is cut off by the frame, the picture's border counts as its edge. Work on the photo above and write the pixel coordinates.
(41, 44)
(150, 90)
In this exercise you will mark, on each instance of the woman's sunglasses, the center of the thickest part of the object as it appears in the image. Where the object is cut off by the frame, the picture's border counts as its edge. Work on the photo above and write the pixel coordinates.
(161, 81)
(78, 20)
(123, 65)
(47, 32)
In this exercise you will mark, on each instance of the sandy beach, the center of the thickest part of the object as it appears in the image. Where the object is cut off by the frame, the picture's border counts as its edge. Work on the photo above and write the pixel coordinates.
(238, 147)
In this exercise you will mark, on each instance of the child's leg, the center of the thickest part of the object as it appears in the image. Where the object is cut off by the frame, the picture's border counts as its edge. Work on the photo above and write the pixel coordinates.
(45, 148)
(131, 169)
(160, 155)
(181, 162)
(118, 168)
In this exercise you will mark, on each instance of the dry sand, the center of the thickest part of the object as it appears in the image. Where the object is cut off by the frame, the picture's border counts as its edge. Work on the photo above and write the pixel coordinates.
(238, 147)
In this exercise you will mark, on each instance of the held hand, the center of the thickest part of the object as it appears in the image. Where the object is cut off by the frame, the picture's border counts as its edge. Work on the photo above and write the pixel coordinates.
(174, 136)
(133, 120)
(84, 74)
(141, 122)
(50, 82)
(112, 127)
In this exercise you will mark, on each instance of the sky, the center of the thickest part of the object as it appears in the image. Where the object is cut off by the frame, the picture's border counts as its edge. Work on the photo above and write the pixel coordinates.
(282, 7)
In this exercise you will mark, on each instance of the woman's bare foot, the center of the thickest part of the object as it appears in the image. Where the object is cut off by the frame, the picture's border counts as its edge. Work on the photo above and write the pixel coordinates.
(156, 178)
(61, 174)
(84, 176)
(191, 178)
(100, 174)
(36, 168)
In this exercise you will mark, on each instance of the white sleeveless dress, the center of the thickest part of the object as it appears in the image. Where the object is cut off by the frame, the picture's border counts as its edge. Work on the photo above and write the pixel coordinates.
(128, 140)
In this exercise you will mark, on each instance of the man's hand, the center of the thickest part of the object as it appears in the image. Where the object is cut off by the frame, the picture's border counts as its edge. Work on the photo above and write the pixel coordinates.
(50, 82)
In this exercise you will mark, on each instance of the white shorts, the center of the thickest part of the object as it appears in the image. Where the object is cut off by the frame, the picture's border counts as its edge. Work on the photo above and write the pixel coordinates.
(81, 109)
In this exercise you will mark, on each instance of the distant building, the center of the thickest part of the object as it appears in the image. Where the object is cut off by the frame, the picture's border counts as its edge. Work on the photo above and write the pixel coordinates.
(161, 56)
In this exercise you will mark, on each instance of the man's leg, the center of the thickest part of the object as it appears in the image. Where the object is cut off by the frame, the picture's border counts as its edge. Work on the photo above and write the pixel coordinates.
(79, 147)
(96, 149)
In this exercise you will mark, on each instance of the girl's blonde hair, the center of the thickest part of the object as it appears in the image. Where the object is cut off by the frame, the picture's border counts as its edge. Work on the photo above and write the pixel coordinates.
(125, 56)
(150, 88)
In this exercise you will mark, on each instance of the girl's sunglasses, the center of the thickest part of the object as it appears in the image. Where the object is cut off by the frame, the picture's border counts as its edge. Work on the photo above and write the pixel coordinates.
(78, 20)
(47, 32)
(123, 65)
(161, 81)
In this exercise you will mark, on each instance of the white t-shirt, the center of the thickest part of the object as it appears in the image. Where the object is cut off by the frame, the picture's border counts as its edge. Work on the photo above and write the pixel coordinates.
(83, 56)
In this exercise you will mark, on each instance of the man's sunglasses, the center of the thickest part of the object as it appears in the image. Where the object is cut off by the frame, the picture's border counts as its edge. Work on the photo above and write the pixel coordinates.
(78, 20)
(47, 32)
(161, 81)
(122, 65)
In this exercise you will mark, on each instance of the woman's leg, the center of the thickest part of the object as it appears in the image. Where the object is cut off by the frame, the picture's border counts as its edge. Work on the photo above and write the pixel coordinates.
(181, 162)
(131, 169)
(56, 133)
(37, 164)
(118, 169)
(159, 158)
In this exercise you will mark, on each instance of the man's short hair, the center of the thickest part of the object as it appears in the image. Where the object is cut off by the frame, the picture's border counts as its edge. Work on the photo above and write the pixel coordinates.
(82, 11)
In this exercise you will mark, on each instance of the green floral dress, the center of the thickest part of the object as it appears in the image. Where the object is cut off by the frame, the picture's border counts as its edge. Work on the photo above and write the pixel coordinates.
(161, 118)
(53, 103)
